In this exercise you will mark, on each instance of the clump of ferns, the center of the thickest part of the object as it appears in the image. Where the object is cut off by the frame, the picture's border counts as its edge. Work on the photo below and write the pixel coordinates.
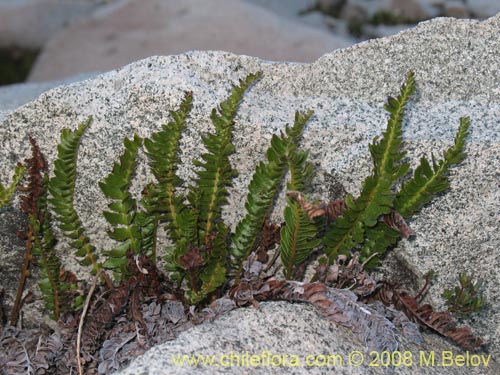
(372, 221)
(368, 225)
(205, 256)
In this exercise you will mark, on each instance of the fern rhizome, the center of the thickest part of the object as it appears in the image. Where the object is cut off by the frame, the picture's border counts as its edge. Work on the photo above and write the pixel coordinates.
(206, 262)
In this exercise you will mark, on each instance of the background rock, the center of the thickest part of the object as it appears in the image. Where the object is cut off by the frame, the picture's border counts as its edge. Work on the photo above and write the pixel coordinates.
(133, 30)
(457, 72)
(367, 19)
(483, 8)
(457, 9)
(30, 23)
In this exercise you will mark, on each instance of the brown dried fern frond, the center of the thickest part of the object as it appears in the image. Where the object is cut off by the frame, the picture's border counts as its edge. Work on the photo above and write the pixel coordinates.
(438, 321)
(339, 306)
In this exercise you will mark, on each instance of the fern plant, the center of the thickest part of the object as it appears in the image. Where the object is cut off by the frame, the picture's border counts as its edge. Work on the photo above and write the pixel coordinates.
(7, 192)
(202, 242)
(426, 182)
(57, 286)
(193, 221)
(364, 225)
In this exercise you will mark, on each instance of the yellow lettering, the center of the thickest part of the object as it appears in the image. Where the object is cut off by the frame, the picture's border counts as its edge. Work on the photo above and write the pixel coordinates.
(320, 360)
(446, 358)
(294, 360)
(459, 360)
(310, 360)
(486, 360)
(254, 360)
(266, 358)
(224, 360)
(426, 360)
(276, 360)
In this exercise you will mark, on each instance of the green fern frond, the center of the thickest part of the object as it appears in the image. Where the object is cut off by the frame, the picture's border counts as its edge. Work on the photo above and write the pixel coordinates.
(377, 240)
(123, 209)
(429, 180)
(6, 193)
(216, 172)
(212, 277)
(163, 154)
(44, 247)
(386, 153)
(299, 235)
(214, 273)
(376, 196)
(147, 221)
(209, 195)
(264, 187)
(62, 191)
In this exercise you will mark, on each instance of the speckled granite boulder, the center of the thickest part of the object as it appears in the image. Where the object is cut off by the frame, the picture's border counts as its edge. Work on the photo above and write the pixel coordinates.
(458, 73)
(288, 338)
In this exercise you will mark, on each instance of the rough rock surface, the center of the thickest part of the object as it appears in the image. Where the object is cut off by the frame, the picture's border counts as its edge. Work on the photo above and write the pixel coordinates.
(278, 329)
(458, 73)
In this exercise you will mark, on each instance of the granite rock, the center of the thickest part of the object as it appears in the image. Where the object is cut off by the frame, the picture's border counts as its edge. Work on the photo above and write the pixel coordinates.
(16, 95)
(277, 332)
(458, 74)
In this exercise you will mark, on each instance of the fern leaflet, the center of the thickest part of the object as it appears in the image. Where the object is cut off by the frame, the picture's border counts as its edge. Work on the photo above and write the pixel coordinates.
(6, 193)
